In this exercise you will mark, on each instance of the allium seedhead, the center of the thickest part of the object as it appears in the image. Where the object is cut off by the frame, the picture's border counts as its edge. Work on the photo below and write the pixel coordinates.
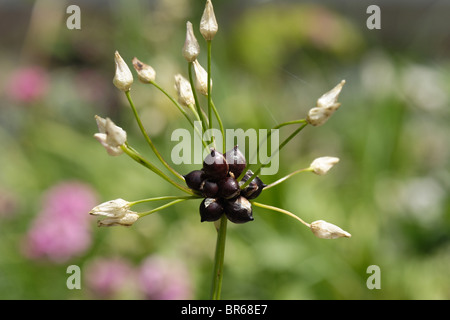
(229, 188)
(255, 187)
(146, 73)
(123, 79)
(209, 188)
(210, 209)
(194, 179)
(208, 23)
(239, 210)
(191, 48)
(236, 161)
(215, 165)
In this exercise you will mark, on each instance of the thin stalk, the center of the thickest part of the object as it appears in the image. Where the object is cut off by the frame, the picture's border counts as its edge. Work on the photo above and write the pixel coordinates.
(180, 108)
(142, 214)
(149, 141)
(289, 123)
(161, 198)
(138, 158)
(274, 153)
(222, 130)
(196, 129)
(219, 259)
(273, 184)
(290, 214)
(303, 121)
(209, 85)
(197, 104)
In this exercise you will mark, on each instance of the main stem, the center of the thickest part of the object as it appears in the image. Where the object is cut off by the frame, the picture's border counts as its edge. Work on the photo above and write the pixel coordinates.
(219, 259)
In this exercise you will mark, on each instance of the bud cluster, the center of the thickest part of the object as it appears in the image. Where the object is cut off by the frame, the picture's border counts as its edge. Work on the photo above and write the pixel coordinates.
(217, 182)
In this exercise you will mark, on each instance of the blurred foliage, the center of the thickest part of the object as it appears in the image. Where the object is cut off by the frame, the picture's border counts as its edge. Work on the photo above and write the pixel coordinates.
(270, 64)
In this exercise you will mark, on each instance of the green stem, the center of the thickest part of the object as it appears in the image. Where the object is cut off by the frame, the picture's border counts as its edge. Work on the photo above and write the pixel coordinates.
(219, 259)
(290, 214)
(138, 158)
(195, 128)
(162, 198)
(142, 214)
(149, 141)
(289, 123)
(209, 85)
(180, 108)
(273, 184)
(197, 104)
(222, 130)
(303, 121)
(273, 153)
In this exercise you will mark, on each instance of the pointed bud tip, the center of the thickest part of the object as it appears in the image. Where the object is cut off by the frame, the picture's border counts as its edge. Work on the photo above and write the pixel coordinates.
(191, 48)
(146, 73)
(208, 22)
(123, 78)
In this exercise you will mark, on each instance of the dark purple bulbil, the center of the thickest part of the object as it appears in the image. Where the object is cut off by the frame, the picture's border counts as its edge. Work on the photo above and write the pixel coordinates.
(216, 181)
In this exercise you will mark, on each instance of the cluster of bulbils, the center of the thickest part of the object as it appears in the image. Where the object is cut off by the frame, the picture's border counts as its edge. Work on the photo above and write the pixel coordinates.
(217, 182)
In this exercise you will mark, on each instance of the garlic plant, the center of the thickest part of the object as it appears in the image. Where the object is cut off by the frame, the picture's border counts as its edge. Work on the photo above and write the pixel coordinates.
(225, 184)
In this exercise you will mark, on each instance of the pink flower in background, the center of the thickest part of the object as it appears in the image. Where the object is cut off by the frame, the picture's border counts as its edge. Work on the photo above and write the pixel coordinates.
(164, 279)
(69, 201)
(109, 278)
(28, 84)
(61, 229)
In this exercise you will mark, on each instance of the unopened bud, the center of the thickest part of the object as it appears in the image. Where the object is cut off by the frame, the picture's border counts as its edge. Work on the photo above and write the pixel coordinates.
(201, 78)
(110, 136)
(326, 105)
(322, 165)
(191, 48)
(208, 23)
(117, 213)
(184, 90)
(123, 79)
(326, 230)
(146, 73)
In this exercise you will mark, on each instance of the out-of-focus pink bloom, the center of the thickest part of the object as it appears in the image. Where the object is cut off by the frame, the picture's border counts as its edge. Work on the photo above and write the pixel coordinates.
(62, 230)
(28, 84)
(69, 201)
(57, 241)
(108, 278)
(163, 279)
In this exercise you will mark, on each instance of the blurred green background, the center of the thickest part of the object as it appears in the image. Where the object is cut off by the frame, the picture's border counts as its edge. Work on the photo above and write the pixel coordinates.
(271, 61)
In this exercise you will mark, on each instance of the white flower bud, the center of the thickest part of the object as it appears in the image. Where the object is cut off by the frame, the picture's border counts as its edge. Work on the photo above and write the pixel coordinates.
(201, 78)
(184, 90)
(208, 23)
(146, 73)
(123, 78)
(191, 48)
(110, 136)
(326, 105)
(326, 230)
(117, 213)
(322, 165)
